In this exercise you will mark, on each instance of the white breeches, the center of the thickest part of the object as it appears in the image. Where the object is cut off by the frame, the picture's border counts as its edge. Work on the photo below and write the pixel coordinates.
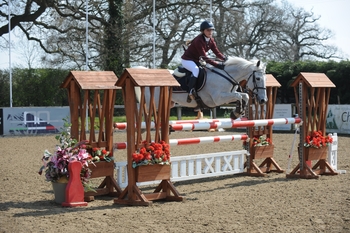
(191, 66)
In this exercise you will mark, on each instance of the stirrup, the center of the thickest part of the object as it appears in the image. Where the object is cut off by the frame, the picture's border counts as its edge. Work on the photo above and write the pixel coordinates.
(189, 98)
(192, 91)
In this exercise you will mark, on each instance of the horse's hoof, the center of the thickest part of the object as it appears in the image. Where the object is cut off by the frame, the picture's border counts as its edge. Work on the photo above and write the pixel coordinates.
(233, 116)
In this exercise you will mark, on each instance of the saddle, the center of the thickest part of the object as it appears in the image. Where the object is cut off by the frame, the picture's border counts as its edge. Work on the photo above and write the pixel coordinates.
(182, 76)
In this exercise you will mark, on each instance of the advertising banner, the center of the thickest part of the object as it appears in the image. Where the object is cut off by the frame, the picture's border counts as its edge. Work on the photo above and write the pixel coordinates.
(32, 120)
(338, 119)
(282, 111)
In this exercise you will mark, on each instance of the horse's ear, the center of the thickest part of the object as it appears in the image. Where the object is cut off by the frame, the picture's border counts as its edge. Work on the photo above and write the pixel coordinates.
(258, 63)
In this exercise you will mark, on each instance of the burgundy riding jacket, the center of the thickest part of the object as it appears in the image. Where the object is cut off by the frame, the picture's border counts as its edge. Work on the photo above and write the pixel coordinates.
(199, 47)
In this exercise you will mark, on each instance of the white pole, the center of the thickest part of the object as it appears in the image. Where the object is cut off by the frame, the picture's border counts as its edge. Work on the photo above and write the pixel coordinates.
(87, 56)
(211, 11)
(10, 68)
(290, 157)
(87, 36)
(154, 34)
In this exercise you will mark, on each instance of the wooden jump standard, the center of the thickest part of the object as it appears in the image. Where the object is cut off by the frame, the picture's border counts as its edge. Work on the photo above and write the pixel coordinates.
(260, 112)
(147, 111)
(94, 92)
(312, 92)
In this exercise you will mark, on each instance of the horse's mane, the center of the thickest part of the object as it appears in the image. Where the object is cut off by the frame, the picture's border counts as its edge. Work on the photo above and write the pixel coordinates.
(239, 62)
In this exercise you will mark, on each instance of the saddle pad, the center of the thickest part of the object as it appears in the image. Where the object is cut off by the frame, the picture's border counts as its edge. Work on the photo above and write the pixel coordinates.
(183, 83)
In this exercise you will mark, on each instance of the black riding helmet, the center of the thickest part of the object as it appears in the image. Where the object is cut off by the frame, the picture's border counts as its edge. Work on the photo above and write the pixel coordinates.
(206, 25)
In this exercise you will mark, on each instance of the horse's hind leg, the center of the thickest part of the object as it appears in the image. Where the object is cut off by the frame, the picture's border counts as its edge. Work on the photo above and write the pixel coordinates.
(240, 98)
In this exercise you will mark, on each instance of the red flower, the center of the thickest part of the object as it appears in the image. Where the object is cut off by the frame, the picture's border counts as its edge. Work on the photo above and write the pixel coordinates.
(151, 153)
(317, 140)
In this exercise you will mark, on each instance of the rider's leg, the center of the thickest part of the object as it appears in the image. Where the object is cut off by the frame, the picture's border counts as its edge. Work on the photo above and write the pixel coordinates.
(192, 87)
(191, 66)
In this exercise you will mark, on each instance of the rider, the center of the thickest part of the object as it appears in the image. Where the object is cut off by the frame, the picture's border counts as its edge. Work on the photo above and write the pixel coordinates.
(196, 50)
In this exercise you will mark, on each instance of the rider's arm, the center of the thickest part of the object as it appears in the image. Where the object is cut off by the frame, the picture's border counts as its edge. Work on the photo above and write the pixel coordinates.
(215, 50)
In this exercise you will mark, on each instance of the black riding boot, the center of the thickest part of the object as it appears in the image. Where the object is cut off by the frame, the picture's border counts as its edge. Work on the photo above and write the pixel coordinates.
(192, 88)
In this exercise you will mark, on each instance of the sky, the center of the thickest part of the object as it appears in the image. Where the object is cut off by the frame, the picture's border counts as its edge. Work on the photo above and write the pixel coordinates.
(334, 15)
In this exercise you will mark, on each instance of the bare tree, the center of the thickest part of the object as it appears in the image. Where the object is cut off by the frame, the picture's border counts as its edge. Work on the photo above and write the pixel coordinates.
(301, 37)
(249, 31)
(121, 32)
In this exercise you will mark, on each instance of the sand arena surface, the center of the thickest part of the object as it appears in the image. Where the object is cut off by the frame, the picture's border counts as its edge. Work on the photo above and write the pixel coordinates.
(234, 203)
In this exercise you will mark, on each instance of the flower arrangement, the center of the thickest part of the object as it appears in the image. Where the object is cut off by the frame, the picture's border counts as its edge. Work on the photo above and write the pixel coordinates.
(99, 154)
(261, 141)
(317, 140)
(152, 153)
(68, 150)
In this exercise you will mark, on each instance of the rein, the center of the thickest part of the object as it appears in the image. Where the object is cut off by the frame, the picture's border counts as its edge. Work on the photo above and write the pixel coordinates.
(231, 79)
(255, 86)
(234, 82)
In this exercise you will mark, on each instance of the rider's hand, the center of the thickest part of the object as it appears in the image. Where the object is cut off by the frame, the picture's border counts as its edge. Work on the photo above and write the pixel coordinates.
(202, 62)
(220, 66)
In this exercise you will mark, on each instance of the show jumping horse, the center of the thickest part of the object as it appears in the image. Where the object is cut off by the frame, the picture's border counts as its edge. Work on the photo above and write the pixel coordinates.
(217, 87)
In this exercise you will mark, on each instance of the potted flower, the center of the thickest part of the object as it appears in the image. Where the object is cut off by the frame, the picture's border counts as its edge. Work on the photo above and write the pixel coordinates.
(99, 154)
(55, 165)
(262, 147)
(316, 145)
(261, 141)
(152, 161)
(317, 140)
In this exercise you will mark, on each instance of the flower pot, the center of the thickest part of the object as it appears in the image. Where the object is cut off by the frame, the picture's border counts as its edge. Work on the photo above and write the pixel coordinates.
(263, 151)
(152, 172)
(59, 190)
(101, 169)
(312, 153)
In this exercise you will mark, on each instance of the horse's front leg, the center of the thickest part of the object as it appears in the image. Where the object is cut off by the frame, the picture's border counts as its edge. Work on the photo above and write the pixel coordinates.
(244, 103)
(240, 98)
(241, 105)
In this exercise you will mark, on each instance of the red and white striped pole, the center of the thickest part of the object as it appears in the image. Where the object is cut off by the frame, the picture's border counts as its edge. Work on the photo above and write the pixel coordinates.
(122, 125)
(206, 124)
(234, 124)
(199, 140)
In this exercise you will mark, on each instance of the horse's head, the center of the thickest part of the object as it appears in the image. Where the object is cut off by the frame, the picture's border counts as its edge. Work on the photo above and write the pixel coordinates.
(253, 72)
(256, 83)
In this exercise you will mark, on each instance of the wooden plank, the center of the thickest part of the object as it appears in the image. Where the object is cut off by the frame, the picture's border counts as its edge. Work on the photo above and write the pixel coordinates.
(101, 169)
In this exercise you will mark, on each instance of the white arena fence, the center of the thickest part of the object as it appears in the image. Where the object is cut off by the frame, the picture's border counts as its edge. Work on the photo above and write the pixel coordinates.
(191, 167)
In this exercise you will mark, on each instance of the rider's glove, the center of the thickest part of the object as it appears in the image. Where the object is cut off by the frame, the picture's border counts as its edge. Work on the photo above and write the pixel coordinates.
(202, 62)
(220, 66)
